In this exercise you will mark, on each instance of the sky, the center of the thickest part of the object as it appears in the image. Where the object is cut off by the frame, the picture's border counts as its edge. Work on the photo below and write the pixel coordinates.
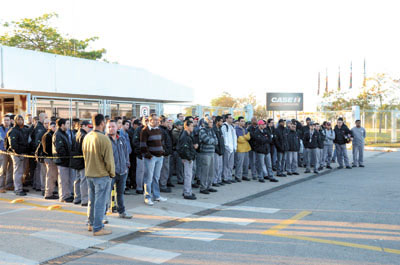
(240, 47)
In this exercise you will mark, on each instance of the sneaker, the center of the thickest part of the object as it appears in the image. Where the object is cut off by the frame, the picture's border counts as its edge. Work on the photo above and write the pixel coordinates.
(77, 202)
(295, 173)
(102, 232)
(190, 197)
(261, 180)
(212, 190)
(160, 199)
(245, 179)
(69, 200)
(90, 228)
(272, 179)
(307, 171)
(20, 193)
(84, 204)
(226, 182)
(204, 192)
(289, 173)
(148, 202)
(215, 185)
(361, 166)
(52, 197)
(166, 190)
(124, 216)
(349, 167)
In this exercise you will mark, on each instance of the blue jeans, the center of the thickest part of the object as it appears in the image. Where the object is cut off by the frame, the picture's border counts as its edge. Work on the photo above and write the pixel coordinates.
(152, 177)
(120, 181)
(98, 188)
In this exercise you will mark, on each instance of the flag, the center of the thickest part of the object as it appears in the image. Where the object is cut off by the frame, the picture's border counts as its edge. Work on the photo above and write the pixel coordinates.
(319, 82)
(365, 75)
(326, 81)
(338, 85)
(351, 75)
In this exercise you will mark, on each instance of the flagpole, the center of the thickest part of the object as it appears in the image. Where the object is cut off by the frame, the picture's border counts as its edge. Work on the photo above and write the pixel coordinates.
(351, 75)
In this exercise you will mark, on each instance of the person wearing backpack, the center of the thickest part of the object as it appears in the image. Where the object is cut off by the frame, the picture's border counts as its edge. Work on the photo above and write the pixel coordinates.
(6, 174)
(187, 151)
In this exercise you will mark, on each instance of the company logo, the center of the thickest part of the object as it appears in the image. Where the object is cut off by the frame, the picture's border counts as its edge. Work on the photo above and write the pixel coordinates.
(286, 99)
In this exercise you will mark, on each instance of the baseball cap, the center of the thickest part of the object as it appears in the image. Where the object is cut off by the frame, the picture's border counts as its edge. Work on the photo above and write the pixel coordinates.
(281, 120)
(178, 122)
(308, 119)
(85, 123)
(260, 122)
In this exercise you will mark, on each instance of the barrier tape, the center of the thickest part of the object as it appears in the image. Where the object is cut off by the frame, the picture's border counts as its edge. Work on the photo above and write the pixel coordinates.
(38, 157)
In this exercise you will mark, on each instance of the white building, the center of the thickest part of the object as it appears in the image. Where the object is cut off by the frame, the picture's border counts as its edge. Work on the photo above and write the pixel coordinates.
(34, 82)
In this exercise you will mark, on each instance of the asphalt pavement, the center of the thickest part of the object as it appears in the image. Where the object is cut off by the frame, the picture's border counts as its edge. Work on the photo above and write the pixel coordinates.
(337, 217)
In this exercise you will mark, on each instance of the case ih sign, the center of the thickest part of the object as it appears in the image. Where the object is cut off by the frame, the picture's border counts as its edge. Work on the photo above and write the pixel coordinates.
(285, 101)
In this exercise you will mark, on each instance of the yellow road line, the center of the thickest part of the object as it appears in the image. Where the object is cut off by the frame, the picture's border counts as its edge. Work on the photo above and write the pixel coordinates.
(274, 232)
(286, 223)
(47, 207)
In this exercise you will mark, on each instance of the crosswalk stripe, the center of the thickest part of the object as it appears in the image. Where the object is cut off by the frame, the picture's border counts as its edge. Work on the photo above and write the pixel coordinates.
(224, 220)
(149, 210)
(186, 234)
(16, 210)
(199, 204)
(69, 239)
(251, 209)
(11, 259)
(126, 224)
(152, 255)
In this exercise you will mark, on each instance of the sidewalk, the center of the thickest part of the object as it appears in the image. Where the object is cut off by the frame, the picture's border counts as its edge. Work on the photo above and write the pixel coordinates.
(32, 234)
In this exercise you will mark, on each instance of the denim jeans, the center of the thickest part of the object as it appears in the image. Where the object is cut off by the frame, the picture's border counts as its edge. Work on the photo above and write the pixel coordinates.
(98, 194)
(280, 163)
(120, 183)
(80, 187)
(152, 177)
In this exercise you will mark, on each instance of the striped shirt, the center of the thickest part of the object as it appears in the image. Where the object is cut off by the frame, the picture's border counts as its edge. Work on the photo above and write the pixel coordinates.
(151, 142)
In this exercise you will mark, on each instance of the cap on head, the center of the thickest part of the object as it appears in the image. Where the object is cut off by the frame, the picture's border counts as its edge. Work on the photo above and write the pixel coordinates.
(308, 119)
(340, 119)
(260, 122)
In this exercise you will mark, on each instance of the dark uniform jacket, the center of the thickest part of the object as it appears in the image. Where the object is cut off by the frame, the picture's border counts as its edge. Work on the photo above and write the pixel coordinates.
(252, 129)
(185, 147)
(47, 143)
(220, 147)
(136, 142)
(61, 148)
(167, 141)
(342, 134)
(293, 139)
(262, 141)
(311, 142)
(18, 140)
(78, 163)
(281, 139)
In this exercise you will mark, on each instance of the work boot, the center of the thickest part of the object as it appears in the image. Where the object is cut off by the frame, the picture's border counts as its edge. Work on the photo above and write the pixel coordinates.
(102, 232)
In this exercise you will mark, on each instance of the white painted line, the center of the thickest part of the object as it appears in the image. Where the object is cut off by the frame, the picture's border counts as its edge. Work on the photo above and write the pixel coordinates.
(187, 234)
(152, 255)
(126, 224)
(224, 220)
(151, 210)
(251, 209)
(11, 259)
(199, 204)
(16, 210)
(69, 239)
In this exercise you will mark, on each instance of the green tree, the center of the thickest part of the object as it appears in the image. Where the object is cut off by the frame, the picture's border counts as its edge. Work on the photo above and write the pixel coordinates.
(37, 34)
(224, 100)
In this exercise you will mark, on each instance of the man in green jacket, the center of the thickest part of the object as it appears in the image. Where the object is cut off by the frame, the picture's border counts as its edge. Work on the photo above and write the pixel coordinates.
(100, 168)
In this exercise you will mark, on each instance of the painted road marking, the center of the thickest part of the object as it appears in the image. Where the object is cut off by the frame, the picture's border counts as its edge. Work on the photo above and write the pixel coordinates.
(152, 255)
(125, 224)
(69, 239)
(274, 231)
(158, 212)
(11, 259)
(208, 205)
(223, 220)
(185, 233)
(16, 210)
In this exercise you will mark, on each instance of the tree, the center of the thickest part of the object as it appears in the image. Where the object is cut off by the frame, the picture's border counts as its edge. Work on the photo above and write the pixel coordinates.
(225, 100)
(37, 34)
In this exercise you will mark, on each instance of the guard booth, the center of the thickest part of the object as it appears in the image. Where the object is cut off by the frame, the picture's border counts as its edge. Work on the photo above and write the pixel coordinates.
(33, 82)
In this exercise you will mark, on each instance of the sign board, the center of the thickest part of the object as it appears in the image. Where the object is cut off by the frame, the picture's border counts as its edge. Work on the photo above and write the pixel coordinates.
(285, 101)
(144, 110)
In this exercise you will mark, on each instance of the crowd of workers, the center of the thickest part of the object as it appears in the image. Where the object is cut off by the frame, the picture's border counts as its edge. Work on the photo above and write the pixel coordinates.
(87, 159)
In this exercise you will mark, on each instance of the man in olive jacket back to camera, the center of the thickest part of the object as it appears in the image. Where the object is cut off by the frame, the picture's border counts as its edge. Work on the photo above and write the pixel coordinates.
(99, 166)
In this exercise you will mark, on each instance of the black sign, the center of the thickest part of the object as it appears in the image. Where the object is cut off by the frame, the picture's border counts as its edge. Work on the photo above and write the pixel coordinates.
(285, 101)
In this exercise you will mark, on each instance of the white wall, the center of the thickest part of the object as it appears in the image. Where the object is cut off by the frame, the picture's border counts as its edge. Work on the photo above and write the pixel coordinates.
(43, 72)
